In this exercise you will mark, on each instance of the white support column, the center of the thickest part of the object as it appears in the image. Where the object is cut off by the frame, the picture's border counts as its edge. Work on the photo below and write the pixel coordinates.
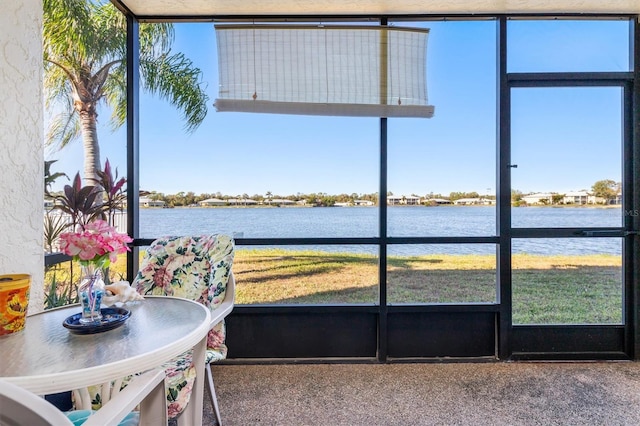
(21, 144)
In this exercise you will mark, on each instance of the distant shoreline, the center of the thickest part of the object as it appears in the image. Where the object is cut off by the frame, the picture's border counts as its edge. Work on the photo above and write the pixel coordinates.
(560, 206)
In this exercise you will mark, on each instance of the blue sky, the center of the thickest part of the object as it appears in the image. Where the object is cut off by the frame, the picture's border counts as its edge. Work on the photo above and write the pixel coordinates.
(563, 139)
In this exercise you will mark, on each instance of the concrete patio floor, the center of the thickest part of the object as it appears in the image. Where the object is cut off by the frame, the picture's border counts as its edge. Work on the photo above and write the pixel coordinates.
(522, 393)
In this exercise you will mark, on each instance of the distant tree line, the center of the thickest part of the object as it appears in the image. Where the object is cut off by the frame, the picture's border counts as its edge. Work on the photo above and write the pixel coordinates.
(184, 199)
(606, 189)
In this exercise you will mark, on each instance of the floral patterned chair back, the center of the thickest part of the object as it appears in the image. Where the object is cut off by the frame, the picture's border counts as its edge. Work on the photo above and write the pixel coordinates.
(191, 267)
(196, 268)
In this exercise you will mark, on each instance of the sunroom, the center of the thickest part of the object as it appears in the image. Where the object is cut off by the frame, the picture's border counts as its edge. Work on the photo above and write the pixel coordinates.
(526, 99)
(527, 96)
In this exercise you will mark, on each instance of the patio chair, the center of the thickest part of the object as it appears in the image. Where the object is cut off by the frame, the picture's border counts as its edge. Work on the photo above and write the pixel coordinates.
(196, 268)
(18, 406)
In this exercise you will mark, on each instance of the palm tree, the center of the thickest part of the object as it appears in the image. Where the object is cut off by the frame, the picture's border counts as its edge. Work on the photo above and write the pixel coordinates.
(84, 47)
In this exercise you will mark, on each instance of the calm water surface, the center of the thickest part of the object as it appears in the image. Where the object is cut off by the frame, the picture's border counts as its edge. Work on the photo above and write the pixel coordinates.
(285, 222)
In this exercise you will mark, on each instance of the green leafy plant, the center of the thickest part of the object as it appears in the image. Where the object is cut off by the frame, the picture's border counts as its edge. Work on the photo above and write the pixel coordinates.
(59, 294)
(83, 204)
(54, 225)
(49, 178)
(113, 190)
(80, 202)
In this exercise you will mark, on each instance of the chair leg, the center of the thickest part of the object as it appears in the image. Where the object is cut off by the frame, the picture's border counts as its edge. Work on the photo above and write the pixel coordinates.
(212, 394)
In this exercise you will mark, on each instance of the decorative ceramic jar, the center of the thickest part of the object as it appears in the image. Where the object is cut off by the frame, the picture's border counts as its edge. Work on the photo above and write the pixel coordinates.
(14, 299)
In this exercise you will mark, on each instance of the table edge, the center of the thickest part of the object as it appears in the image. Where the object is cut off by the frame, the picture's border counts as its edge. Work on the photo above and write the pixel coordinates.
(75, 379)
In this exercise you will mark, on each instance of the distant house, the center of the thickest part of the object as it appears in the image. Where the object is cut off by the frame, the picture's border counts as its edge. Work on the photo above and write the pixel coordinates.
(538, 198)
(392, 200)
(439, 201)
(467, 201)
(241, 202)
(576, 197)
(211, 202)
(406, 200)
(478, 201)
(148, 202)
(281, 202)
(367, 203)
(618, 199)
(411, 200)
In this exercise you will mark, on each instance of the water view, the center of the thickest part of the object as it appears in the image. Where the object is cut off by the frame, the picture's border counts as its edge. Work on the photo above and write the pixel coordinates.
(269, 222)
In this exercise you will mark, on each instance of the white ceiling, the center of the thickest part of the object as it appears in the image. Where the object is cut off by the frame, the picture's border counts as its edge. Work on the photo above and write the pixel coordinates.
(210, 8)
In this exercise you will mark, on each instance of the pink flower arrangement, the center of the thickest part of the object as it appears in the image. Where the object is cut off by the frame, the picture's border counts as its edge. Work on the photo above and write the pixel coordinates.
(97, 243)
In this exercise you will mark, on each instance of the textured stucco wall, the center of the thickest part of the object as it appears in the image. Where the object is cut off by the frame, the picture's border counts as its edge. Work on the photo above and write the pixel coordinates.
(21, 144)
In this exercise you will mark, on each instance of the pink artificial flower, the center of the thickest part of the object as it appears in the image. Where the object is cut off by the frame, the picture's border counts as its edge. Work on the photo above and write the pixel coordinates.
(100, 227)
(97, 242)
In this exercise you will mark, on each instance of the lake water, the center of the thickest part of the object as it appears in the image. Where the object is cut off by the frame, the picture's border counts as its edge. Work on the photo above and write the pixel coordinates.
(405, 221)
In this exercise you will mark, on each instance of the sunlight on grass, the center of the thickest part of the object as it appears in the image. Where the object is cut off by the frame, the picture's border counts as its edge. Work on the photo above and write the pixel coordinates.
(281, 276)
(546, 289)
(567, 289)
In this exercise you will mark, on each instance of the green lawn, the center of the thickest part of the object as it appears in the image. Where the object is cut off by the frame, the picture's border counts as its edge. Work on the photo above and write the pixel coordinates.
(546, 289)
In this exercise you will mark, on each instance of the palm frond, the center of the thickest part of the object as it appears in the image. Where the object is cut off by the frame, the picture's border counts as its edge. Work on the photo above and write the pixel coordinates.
(175, 79)
(115, 90)
(84, 50)
(155, 39)
(64, 128)
(57, 86)
(110, 28)
(66, 27)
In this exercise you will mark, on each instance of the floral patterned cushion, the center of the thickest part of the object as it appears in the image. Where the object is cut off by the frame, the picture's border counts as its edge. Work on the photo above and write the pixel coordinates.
(181, 375)
(195, 268)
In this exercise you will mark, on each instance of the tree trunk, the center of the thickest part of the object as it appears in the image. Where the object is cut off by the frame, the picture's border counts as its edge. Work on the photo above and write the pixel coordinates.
(88, 120)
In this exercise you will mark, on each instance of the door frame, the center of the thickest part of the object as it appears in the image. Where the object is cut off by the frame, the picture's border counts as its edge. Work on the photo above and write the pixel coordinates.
(570, 341)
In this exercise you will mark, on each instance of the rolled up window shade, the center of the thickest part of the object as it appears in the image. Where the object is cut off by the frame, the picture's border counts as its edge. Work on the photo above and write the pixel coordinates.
(323, 70)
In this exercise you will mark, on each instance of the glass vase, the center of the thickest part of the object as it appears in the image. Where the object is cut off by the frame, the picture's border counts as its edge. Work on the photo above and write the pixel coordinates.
(90, 292)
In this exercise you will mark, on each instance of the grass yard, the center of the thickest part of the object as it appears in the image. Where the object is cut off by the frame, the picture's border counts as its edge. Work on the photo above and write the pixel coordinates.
(546, 289)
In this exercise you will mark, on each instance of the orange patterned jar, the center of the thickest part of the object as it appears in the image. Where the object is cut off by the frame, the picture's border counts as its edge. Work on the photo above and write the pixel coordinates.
(14, 298)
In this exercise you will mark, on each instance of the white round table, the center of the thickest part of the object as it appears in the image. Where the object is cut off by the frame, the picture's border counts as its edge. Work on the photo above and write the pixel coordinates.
(47, 358)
